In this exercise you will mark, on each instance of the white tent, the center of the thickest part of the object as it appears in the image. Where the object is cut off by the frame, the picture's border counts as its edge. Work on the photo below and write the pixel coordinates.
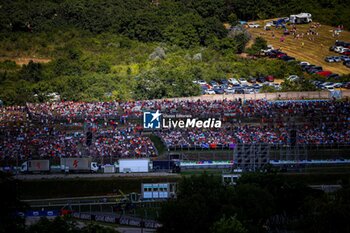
(301, 18)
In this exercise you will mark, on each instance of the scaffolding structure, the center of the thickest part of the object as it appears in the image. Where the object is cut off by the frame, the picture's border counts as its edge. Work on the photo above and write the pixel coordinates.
(251, 157)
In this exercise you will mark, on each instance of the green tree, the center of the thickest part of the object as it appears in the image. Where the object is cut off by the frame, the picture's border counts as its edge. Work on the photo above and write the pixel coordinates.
(9, 205)
(198, 205)
(228, 225)
(259, 44)
(233, 19)
(31, 72)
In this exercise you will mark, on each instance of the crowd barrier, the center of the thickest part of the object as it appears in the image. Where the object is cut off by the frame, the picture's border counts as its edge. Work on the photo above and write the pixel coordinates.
(118, 219)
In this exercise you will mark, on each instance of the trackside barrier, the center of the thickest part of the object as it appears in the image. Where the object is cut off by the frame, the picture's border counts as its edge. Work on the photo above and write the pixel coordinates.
(118, 219)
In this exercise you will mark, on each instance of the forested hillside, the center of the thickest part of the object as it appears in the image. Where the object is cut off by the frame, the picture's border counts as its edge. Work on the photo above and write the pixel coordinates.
(136, 49)
(197, 21)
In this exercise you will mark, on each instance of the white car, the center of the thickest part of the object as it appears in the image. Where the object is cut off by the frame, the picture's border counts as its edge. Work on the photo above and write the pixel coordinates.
(210, 92)
(268, 49)
(233, 81)
(330, 89)
(229, 90)
(304, 63)
(202, 82)
(293, 78)
(337, 85)
(343, 50)
(337, 59)
(253, 25)
(249, 91)
(277, 86)
(243, 81)
(338, 49)
(327, 85)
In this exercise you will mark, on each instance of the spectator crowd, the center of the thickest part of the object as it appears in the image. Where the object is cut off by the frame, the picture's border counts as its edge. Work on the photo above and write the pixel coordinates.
(59, 129)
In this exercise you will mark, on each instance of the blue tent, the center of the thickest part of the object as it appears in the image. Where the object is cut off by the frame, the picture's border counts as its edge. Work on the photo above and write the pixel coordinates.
(281, 22)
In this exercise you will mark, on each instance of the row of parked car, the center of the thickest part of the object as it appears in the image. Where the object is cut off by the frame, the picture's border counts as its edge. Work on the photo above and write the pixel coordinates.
(330, 86)
(237, 86)
(342, 48)
(275, 53)
(313, 69)
(342, 58)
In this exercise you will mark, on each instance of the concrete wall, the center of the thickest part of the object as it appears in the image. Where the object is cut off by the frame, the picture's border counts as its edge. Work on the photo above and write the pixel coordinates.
(267, 96)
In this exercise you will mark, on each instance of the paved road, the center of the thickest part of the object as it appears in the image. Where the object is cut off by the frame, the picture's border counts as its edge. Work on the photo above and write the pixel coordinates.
(89, 176)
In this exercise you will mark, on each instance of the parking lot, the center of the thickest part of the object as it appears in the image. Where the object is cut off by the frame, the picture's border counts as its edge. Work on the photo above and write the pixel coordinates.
(239, 86)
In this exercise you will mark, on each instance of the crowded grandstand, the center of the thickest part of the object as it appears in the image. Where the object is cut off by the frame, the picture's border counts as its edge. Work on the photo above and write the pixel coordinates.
(59, 129)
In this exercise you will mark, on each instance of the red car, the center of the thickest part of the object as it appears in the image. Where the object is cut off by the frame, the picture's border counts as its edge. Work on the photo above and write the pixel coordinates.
(346, 53)
(281, 55)
(270, 78)
(324, 73)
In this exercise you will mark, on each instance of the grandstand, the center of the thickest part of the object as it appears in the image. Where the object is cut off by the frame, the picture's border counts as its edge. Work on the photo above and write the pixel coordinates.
(252, 133)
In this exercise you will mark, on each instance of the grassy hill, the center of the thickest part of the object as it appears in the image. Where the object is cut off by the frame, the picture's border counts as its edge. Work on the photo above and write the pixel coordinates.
(312, 51)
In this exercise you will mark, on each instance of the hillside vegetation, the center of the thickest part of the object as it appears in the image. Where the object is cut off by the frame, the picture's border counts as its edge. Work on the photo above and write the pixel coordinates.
(123, 50)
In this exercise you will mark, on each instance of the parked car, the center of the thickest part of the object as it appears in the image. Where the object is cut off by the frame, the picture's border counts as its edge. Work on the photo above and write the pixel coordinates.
(218, 90)
(249, 91)
(329, 59)
(229, 90)
(304, 63)
(314, 69)
(330, 89)
(213, 83)
(253, 25)
(261, 79)
(268, 49)
(270, 78)
(256, 86)
(307, 67)
(252, 80)
(239, 91)
(210, 92)
(344, 58)
(347, 85)
(280, 55)
(327, 84)
(224, 81)
(293, 78)
(287, 58)
(275, 53)
(347, 64)
(342, 43)
(277, 86)
(201, 82)
(324, 73)
(343, 50)
(337, 59)
(332, 48)
(338, 85)
(338, 49)
(242, 81)
(224, 86)
(335, 76)
(233, 81)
